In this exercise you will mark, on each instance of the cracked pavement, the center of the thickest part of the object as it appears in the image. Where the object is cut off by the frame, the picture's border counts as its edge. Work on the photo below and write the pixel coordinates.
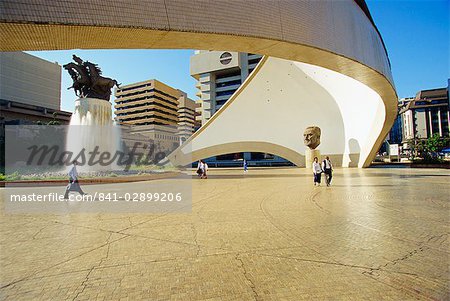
(269, 234)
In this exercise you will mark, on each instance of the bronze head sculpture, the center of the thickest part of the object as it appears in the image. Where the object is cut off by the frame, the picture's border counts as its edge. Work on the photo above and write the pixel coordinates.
(311, 137)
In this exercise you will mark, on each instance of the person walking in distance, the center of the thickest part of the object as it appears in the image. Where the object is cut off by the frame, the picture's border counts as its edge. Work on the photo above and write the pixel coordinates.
(204, 170)
(73, 182)
(317, 170)
(245, 166)
(199, 168)
(327, 168)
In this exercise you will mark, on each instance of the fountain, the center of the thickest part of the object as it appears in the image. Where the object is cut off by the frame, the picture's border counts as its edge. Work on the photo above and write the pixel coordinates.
(91, 126)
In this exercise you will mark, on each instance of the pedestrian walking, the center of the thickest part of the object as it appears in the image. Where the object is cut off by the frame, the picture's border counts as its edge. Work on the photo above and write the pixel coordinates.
(327, 168)
(204, 170)
(245, 166)
(73, 185)
(317, 170)
(199, 168)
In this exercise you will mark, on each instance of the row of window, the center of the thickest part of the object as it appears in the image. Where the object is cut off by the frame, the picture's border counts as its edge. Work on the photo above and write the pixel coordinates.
(187, 109)
(144, 111)
(228, 74)
(134, 87)
(166, 137)
(220, 103)
(227, 84)
(145, 123)
(141, 118)
(254, 61)
(225, 93)
(146, 103)
(147, 91)
(433, 102)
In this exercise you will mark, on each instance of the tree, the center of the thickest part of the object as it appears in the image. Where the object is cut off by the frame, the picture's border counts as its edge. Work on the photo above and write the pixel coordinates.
(51, 122)
(434, 143)
(427, 148)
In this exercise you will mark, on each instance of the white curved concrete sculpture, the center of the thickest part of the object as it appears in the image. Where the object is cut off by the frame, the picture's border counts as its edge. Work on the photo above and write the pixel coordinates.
(337, 36)
(278, 101)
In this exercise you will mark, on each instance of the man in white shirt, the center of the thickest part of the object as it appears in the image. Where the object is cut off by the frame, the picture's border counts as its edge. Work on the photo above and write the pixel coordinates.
(73, 181)
(200, 168)
(317, 170)
(204, 170)
(327, 167)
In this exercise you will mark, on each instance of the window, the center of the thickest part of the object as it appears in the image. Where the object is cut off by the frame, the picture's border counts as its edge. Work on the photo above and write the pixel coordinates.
(230, 83)
(222, 93)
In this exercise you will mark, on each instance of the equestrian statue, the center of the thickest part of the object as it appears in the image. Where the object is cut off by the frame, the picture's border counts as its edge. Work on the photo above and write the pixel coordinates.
(88, 81)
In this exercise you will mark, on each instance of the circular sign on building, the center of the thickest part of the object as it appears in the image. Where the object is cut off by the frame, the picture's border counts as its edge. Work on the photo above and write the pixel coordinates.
(225, 58)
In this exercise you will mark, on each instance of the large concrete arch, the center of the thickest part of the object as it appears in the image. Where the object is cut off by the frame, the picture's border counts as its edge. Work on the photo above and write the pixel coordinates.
(335, 35)
(270, 111)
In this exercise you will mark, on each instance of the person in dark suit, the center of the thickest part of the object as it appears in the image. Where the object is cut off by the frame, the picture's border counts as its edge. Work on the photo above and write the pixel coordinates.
(327, 168)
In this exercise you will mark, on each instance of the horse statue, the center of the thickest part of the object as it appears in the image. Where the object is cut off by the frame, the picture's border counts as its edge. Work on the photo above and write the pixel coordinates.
(87, 80)
(101, 85)
(80, 77)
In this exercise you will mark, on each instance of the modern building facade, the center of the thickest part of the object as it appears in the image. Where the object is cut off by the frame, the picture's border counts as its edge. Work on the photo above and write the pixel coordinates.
(149, 102)
(395, 135)
(30, 80)
(187, 116)
(219, 74)
(165, 116)
(420, 117)
(30, 89)
(426, 114)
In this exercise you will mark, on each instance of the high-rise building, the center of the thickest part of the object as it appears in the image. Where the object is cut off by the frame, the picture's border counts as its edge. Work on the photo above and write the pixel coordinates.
(151, 109)
(426, 114)
(30, 90)
(219, 74)
(395, 135)
(187, 123)
(30, 93)
(149, 102)
(30, 80)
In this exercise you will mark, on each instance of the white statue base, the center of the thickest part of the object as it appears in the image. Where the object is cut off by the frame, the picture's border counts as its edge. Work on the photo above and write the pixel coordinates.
(309, 157)
(92, 128)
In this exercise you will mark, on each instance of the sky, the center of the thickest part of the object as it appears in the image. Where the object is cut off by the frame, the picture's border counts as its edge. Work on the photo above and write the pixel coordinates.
(127, 66)
(417, 37)
(416, 34)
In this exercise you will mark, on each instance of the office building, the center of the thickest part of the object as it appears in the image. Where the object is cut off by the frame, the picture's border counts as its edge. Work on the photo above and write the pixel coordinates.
(30, 93)
(149, 102)
(187, 113)
(30, 80)
(219, 74)
(426, 114)
(165, 116)
(30, 90)
(395, 135)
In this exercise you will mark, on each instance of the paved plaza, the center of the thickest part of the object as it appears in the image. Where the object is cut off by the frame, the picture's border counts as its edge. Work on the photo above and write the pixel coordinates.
(375, 234)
